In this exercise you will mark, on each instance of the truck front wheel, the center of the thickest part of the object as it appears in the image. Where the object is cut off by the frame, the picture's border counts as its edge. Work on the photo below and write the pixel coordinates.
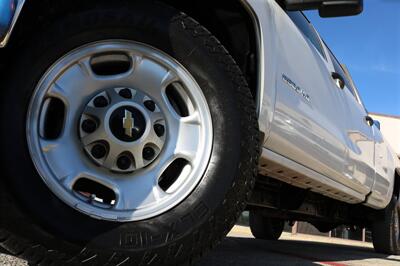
(131, 136)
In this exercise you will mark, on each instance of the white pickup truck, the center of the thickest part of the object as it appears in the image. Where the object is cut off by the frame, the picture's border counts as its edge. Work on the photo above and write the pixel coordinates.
(136, 132)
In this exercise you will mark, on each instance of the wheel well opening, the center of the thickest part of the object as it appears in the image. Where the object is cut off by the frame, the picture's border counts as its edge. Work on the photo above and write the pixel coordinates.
(228, 20)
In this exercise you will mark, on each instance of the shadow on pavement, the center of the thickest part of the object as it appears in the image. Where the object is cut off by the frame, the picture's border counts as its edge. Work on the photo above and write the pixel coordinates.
(251, 252)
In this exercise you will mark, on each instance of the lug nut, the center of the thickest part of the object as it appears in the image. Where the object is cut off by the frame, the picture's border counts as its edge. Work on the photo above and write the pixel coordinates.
(148, 153)
(125, 93)
(89, 126)
(100, 102)
(99, 151)
(124, 162)
(150, 105)
(159, 129)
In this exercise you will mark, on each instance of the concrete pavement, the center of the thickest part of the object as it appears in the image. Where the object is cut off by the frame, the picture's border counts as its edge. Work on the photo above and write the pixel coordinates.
(240, 248)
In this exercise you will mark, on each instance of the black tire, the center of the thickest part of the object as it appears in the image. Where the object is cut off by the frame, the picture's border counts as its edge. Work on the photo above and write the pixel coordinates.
(38, 227)
(265, 228)
(4, 251)
(386, 231)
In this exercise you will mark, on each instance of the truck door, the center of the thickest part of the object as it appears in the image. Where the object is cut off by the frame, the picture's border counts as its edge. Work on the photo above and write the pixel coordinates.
(384, 172)
(360, 139)
(309, 118)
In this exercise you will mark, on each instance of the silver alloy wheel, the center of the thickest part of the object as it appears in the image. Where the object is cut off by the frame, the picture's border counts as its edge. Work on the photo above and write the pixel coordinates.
(63, 100)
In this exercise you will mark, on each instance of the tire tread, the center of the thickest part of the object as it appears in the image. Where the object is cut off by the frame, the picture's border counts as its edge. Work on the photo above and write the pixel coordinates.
(217, 226)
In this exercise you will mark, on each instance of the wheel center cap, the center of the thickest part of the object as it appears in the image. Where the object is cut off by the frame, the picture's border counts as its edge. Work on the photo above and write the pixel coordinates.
(127, 123)
(122, 130)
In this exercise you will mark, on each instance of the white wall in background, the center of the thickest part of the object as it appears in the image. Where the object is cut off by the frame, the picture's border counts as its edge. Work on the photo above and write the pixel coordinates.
(390, 128)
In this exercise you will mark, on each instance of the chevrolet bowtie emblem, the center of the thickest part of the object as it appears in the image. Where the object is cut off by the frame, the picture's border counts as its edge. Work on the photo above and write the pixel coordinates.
(128, 123)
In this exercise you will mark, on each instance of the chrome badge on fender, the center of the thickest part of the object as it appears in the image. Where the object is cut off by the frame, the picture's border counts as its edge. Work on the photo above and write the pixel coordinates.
(296, 88)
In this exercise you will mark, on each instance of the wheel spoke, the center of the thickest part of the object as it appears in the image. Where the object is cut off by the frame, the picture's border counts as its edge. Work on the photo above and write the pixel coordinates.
(98, 135)
(94, 112)
(114, 96)
(152, 78)
(137, 153)
(59, 92)
(168, 79)
(134, 195)
(139, 97)
(75, 83)
(139, 162)
(156, 117)
(107, 181)
(112, 156)
(156, 140)
(86, 68)
(69, 180)
(61, 154)
(187, 132)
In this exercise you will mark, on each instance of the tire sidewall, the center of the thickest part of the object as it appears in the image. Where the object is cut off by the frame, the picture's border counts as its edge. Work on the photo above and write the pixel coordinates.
(53, 219)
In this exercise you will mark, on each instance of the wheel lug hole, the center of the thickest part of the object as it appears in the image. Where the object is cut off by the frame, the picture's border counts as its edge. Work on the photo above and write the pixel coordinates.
(159, 129)
(148, 153)
(150, 105)
(125, 93)
(100, 102)
(99, 151)
(89, 126)
(124, 162)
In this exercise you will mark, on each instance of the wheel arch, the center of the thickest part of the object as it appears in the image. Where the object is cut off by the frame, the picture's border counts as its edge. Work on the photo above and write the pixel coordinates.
(232, 22)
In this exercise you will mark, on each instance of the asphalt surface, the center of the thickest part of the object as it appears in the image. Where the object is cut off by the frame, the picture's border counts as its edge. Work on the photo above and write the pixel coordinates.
(239, 248)
(246, 251)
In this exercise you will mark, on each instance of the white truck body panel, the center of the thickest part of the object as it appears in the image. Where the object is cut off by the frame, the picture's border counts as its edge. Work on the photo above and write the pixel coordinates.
(312, 123)
(386, 163)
